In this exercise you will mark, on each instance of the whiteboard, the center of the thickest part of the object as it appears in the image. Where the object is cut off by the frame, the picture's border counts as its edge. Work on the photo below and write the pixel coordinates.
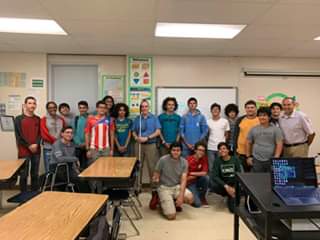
(205, 96)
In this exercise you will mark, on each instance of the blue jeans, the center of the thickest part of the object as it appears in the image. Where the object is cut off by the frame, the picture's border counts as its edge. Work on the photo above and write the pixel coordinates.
(212, 155)
(186, 151)
(199, 189)
(46, 159)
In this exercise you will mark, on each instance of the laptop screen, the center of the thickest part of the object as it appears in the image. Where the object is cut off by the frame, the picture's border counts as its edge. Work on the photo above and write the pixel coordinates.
(293, 172)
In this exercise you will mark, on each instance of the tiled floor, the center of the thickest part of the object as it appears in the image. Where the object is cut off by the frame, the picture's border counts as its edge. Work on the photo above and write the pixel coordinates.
(214, 223)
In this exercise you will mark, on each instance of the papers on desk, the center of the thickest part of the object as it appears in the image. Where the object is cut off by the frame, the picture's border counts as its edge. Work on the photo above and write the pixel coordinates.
(301, 224)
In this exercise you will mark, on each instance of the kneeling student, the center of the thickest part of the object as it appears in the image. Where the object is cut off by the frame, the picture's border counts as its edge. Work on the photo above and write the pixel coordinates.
(63, 151)
(224, 171)
(171, 174)
(198, 180)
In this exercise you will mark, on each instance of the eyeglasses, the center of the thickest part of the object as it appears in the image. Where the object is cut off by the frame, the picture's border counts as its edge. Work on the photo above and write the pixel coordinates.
(200, 149)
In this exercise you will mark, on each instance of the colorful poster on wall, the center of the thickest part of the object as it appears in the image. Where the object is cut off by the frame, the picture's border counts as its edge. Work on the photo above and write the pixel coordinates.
(13, 79)
(265, 101)
(135, 98)
(114, 86)
(140, 71)
(140, 82)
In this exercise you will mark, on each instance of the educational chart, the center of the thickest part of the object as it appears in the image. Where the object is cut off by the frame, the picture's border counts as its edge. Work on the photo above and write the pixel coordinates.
(136, 96)
(114, 86)
(13, 79)
(140, 82)
(263, 101)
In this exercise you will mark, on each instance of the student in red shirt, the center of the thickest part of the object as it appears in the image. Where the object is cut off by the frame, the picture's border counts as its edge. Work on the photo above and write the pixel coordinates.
(27, 131)
(198, 180)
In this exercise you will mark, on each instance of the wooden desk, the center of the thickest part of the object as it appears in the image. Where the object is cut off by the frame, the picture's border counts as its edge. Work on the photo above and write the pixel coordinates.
(110, 167)
(51, 215)
(8, 168)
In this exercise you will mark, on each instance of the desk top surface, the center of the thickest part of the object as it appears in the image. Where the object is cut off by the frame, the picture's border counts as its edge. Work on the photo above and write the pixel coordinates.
(9, 167)
(51, 215)
(259, 186)
(110, 167)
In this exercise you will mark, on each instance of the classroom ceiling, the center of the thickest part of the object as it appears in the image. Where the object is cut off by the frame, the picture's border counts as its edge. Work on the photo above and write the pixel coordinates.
(281, 28)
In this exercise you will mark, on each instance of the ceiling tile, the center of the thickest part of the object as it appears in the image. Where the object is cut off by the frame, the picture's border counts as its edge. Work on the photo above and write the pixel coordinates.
(227, 12)
(100, 9)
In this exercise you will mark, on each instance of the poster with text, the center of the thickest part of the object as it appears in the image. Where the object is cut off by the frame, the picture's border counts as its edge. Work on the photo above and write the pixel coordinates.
(135, 98)
(140, 71)
(113, 85)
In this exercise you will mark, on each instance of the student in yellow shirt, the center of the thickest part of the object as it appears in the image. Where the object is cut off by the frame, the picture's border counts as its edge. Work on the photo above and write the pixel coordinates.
(242, 128)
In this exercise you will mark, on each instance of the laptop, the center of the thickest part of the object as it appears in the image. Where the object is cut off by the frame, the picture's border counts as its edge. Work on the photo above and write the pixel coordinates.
(294, 180)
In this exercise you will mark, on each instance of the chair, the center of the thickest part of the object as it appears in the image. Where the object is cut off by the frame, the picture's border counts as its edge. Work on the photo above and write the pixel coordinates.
(115, 223)
(123, 196)
(50, 178)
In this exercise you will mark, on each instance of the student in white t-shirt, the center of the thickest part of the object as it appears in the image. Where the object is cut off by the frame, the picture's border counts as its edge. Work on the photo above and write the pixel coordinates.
(219, 130)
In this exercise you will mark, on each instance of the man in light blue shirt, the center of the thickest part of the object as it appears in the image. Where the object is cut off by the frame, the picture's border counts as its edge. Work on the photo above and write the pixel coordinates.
(193, 127)
(145, 130)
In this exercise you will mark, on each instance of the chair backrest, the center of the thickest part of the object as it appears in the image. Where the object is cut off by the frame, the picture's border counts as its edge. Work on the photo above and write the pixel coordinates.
(115, 223)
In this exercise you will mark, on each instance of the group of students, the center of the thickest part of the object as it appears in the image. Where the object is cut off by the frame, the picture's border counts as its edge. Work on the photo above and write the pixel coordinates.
(196, 154)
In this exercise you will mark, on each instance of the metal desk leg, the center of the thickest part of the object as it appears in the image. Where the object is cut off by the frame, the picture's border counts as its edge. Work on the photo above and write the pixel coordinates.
(1, 199)
(236, 227)
(236, 216)
(268, 227)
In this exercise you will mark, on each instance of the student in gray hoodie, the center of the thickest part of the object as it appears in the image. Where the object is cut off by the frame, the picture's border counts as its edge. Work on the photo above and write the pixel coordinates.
(63, 151)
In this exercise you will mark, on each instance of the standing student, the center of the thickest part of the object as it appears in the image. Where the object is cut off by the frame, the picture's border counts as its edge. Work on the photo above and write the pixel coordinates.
(123, 127)
(50, 127)
(171, 175)
(145, 130)
(231, 111)
(218, 132)
(276, 109)
(27, 132)
(264, 141)
(64, 110)
(99, 135)
(80, 122)
(170, 124)
(224, 174)
(297, 130)
(197, 179)
(242, 128)
(193, 127)
(109, 101)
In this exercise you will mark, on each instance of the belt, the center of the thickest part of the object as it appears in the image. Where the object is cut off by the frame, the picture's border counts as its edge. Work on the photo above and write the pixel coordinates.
(295, 144)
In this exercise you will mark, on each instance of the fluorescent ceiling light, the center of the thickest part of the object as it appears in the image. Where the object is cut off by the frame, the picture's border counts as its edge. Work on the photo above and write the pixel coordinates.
(317, 38)
(195, 30)
(28, 25)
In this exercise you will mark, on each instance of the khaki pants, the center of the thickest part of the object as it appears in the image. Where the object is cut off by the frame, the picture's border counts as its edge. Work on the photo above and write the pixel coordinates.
(149, 155)
(301, 150)
(167, 197)
(97, 186)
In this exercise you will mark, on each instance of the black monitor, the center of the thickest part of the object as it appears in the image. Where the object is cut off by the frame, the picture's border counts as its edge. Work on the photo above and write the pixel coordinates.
(293, 172)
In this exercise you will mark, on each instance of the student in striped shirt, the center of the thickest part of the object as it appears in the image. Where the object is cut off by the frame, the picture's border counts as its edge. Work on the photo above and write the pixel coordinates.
(99, 134)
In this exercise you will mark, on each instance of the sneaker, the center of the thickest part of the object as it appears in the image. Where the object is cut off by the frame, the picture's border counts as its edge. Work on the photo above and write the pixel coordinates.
(204, 202)
(154, 201)
(178, 209)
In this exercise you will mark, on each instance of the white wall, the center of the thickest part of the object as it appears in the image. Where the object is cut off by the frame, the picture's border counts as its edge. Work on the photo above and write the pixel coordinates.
(35, 66)
(216, 71)
(182, 71)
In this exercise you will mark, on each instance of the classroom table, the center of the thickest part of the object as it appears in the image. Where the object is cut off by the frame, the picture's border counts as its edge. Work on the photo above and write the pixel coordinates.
(9, 170)
(267, 224)
(52, 215)
(109, 168)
